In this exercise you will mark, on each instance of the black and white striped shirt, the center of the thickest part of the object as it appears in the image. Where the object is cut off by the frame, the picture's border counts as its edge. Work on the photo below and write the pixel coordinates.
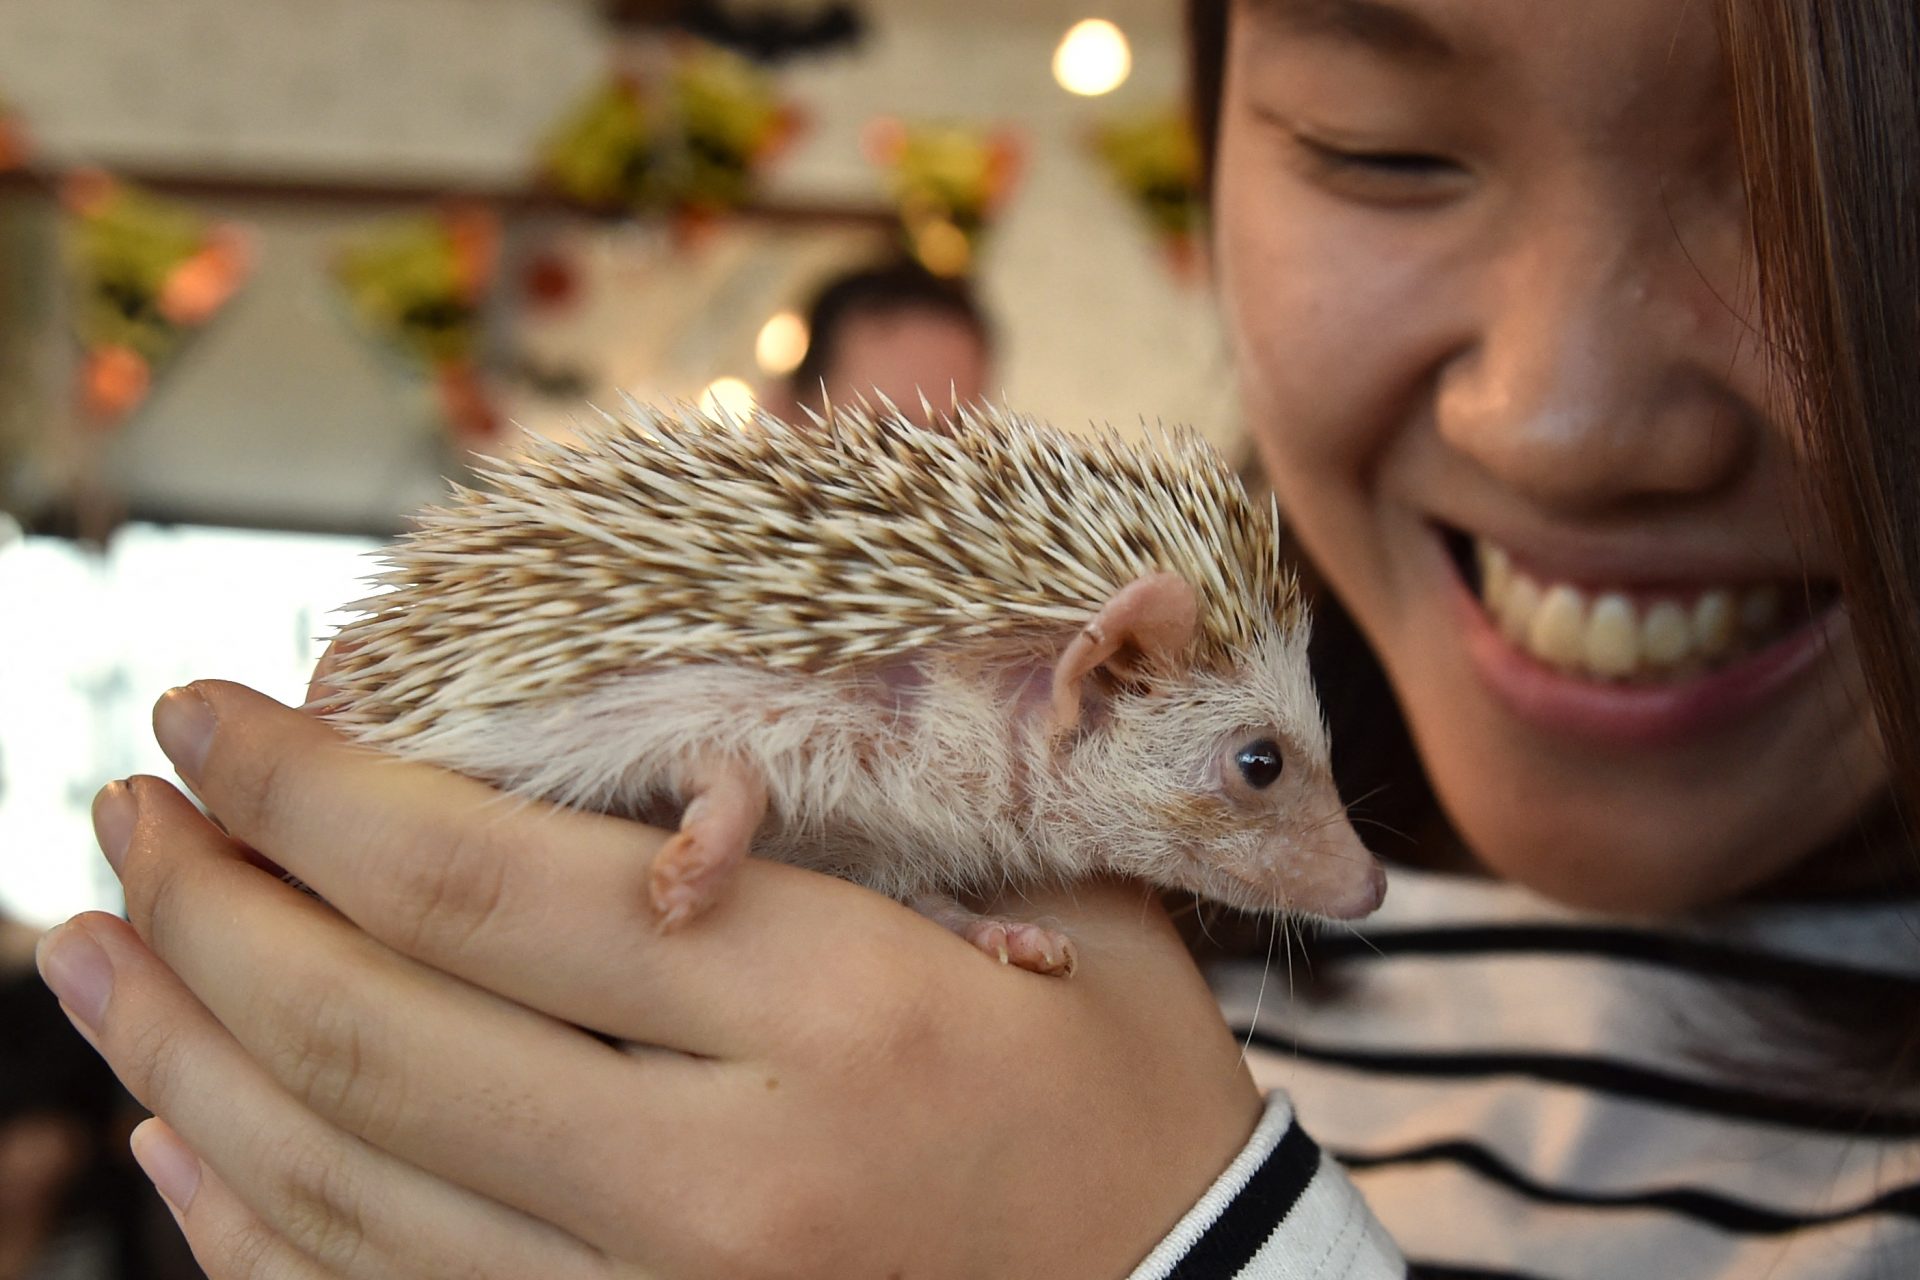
(1523, 1093)
(1282, 1211)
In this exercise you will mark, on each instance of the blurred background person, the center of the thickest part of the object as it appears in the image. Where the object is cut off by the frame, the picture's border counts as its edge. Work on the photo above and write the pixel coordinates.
(892, 330)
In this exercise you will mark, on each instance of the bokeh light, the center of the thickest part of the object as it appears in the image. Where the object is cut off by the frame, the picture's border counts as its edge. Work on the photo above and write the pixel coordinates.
(1093, 58)
(729, 397)
(782, 343)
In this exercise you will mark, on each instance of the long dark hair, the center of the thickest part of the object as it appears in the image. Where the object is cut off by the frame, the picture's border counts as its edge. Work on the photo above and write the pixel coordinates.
(1829, 128)
(1829, 123)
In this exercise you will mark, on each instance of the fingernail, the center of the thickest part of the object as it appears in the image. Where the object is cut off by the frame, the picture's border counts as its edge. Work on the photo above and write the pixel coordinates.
(78, 971)
(183, 723)
(115, 811)
(168, 1163)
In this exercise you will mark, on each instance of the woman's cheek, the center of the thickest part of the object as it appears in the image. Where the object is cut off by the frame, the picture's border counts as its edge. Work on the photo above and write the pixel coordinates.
(1329, 320)
(1332, 349)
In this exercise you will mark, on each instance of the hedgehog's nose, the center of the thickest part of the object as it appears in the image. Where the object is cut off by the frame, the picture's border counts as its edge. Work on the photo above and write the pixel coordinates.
(1375, 894)
(1339, 878)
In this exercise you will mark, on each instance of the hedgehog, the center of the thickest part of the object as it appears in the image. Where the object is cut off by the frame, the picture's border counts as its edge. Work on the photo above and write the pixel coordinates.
(944, 663)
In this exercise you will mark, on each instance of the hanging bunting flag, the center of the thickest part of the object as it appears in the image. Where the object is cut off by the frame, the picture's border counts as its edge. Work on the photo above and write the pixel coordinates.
(610, 152)
(417, 285)
(947, 181)
(1155, 161)
(145, 273)
(731, 124)
(690, 142)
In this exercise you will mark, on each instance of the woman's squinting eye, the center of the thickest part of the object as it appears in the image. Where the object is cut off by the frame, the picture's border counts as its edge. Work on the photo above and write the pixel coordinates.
(1382, 176)
(1259, 763)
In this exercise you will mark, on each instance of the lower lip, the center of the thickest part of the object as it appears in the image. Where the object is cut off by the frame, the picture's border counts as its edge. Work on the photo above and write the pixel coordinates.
(1632, 714)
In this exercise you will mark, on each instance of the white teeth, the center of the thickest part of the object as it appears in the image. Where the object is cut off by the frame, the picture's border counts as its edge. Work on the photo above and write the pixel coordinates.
(1666, 636)
(1714, 623)
(1612, 636)
(1558, 631)
(1517, 610)
(1496, 570)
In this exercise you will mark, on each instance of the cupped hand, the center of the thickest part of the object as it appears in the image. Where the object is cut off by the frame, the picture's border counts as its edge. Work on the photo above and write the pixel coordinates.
(480, 1057)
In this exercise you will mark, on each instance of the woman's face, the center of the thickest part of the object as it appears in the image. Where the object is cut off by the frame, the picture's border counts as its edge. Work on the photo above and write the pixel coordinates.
(1488, 272)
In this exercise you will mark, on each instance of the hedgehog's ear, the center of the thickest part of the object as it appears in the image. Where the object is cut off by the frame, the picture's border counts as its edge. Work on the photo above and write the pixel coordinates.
(1154, 618)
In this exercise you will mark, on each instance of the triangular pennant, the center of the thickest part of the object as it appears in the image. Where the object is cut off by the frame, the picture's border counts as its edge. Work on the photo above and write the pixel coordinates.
(947, 181)
(1155, 161)
(145, 273)
(417, 285)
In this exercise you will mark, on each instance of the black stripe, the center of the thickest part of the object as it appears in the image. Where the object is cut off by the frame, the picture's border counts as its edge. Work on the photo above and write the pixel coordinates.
(1603, 1075)
(1691, 955)
(1254, 1214)
(1724, 1212)
(1441, 1271)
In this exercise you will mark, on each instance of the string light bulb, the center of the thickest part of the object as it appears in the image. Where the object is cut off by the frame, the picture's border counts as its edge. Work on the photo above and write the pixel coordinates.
(782, 343)
(1093, 58)
(728, 398)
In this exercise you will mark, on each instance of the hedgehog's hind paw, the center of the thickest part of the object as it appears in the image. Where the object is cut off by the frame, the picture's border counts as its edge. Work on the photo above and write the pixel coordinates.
(687, 876)
(688, 873)
(1020, 943)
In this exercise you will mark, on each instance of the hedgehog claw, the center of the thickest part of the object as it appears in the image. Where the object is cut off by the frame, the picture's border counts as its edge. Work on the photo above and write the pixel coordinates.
(685, 879)
(688, 873)
(1032, 947)
(673, 915)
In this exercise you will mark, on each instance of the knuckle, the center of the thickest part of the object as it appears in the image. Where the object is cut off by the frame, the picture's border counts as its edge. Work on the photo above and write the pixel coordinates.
(450, 886)
(238, 1251)
(326, 1054)
(318, 1206)
(152, 1060)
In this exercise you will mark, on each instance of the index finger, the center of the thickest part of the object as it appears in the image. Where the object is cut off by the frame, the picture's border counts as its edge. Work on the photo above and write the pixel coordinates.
(543, 905)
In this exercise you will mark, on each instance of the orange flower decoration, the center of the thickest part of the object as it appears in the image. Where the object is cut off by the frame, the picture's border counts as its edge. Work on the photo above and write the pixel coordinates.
(113, 380)
(201, 285)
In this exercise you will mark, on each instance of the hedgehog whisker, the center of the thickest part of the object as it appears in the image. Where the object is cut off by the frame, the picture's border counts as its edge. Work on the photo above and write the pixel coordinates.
(1260, 996)
(1369, 943)
(1365, 796)
(1387, 827)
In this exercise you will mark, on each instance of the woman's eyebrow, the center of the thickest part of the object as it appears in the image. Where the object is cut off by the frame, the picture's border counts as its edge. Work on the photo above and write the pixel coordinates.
(1380, 25)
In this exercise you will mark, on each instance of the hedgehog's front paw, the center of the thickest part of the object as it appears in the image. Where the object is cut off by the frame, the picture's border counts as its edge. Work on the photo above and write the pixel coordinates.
(1032, 947)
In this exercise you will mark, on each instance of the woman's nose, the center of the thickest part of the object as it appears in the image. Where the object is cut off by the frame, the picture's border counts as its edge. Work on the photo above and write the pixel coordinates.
(1597, 375)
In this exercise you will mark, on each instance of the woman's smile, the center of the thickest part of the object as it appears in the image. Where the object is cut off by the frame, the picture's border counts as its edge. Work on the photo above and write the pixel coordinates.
(1637, 657)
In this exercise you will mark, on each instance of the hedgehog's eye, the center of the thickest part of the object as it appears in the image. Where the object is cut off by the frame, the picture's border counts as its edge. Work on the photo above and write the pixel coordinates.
(1260, 763)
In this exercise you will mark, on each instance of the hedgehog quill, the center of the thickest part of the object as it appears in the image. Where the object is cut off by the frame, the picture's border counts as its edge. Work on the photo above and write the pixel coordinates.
(938, 663)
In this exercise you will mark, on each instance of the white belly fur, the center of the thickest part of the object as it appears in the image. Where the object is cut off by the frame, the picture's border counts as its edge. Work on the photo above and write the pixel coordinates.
(902, 791)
